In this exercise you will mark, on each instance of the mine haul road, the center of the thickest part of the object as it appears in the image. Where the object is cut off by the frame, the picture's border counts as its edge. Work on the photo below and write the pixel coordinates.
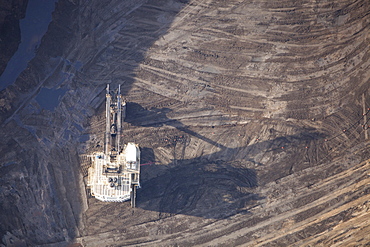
(252, 117)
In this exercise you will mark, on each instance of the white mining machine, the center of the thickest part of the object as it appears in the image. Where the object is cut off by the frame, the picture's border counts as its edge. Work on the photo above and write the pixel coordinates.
(114, 174)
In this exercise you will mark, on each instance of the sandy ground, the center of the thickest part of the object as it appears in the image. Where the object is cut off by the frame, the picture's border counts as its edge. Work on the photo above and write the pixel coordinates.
(251, 117)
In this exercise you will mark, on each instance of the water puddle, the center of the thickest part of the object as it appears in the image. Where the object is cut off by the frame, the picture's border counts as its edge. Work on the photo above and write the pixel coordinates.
(49, 98)
(33, 27)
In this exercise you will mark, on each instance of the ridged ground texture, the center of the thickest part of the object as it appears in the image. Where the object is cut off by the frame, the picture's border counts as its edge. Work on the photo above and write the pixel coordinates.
(252, 119)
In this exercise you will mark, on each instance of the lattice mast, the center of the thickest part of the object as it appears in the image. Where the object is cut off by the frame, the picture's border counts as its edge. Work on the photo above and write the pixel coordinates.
(114, 113)
(108, 122)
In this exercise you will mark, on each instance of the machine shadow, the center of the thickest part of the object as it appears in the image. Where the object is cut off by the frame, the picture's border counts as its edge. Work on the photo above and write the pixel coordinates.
(216, 185)
(139, 116)
(146, 156)
(208, 189)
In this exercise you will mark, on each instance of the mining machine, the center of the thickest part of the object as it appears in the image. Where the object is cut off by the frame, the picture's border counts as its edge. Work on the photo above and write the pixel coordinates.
(114, 173)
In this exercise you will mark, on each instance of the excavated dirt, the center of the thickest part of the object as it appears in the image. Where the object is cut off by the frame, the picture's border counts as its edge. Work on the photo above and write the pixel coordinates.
(251, 116)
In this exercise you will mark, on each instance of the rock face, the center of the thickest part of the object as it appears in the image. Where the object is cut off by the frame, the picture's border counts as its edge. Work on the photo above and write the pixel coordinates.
(251, 116)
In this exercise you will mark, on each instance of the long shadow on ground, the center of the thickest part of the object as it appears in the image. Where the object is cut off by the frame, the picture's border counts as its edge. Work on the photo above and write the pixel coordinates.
(211, 186)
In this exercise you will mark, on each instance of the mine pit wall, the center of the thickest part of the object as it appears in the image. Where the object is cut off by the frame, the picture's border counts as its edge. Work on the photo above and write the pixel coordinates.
(41, 197)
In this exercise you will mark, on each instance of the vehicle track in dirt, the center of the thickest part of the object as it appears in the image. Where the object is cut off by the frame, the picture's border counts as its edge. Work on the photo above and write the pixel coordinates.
(252, 66)
(249, 115)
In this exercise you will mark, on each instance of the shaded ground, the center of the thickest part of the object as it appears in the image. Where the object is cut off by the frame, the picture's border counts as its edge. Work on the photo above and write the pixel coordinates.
(10, 37)
(251, 117)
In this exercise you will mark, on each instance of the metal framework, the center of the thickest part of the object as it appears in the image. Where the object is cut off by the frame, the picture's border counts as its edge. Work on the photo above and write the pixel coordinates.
(114, 174)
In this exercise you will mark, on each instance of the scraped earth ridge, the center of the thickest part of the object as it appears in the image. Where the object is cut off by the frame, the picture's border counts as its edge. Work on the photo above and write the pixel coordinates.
(252, 118)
